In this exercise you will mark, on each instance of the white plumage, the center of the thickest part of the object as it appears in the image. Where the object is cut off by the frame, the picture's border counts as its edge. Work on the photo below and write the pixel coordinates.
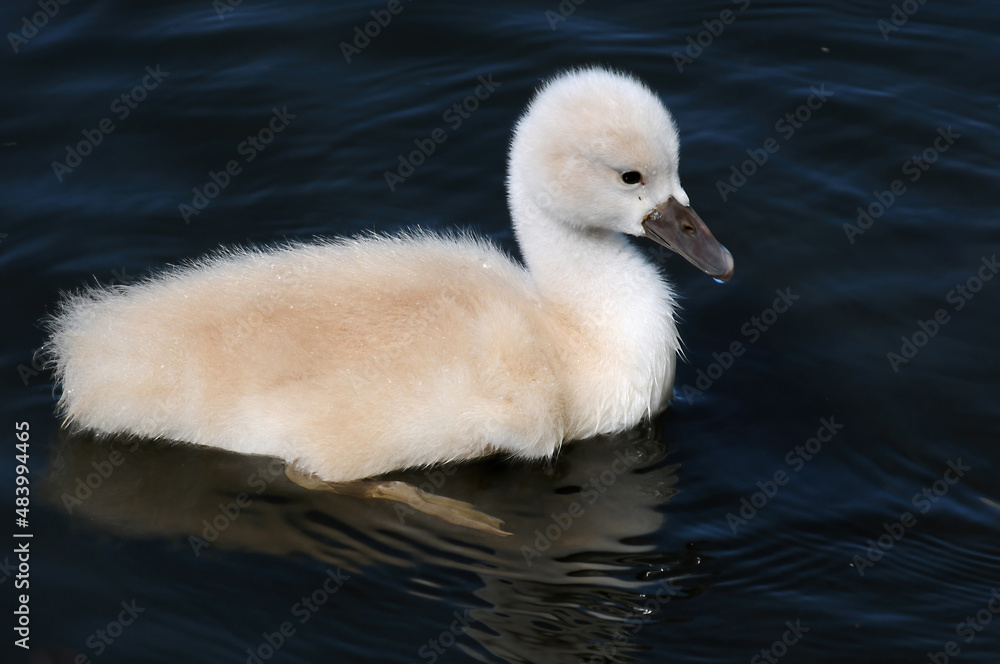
(354, 357)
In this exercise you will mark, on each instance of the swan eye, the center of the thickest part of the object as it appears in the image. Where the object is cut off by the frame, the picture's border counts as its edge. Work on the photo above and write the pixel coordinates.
(631, 177)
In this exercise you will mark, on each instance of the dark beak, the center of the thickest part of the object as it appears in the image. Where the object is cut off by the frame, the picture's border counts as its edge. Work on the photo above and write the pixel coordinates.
(678, 228)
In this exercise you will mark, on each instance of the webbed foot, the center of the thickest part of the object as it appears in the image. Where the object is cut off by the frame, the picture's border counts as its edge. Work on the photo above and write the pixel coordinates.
(447, 509)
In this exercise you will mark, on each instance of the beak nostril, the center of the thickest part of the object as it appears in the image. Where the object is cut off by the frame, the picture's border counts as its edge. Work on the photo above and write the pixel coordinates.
(677, 227)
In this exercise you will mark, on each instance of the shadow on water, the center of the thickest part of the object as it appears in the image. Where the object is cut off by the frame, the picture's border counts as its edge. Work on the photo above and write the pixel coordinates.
(577, 580)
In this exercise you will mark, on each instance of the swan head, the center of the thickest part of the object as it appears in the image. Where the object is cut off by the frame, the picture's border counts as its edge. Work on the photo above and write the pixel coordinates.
(596, 149)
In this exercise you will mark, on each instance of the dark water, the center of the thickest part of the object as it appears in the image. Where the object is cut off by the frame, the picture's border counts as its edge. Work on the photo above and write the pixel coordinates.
(654, 564)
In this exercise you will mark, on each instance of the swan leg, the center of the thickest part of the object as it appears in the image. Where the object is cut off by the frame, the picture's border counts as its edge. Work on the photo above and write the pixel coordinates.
(447, 509)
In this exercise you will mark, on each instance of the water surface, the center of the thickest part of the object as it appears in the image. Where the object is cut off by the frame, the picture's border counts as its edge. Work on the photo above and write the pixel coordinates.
(726, 532)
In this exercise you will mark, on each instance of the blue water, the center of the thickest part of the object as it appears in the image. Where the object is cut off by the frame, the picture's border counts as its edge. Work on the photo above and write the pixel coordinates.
(789, 407)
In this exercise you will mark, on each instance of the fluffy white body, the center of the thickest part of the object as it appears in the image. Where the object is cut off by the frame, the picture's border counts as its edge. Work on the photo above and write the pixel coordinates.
(352, 358)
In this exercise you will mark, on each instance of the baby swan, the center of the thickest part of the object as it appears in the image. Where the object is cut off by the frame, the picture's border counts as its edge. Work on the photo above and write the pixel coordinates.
(354, 357)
